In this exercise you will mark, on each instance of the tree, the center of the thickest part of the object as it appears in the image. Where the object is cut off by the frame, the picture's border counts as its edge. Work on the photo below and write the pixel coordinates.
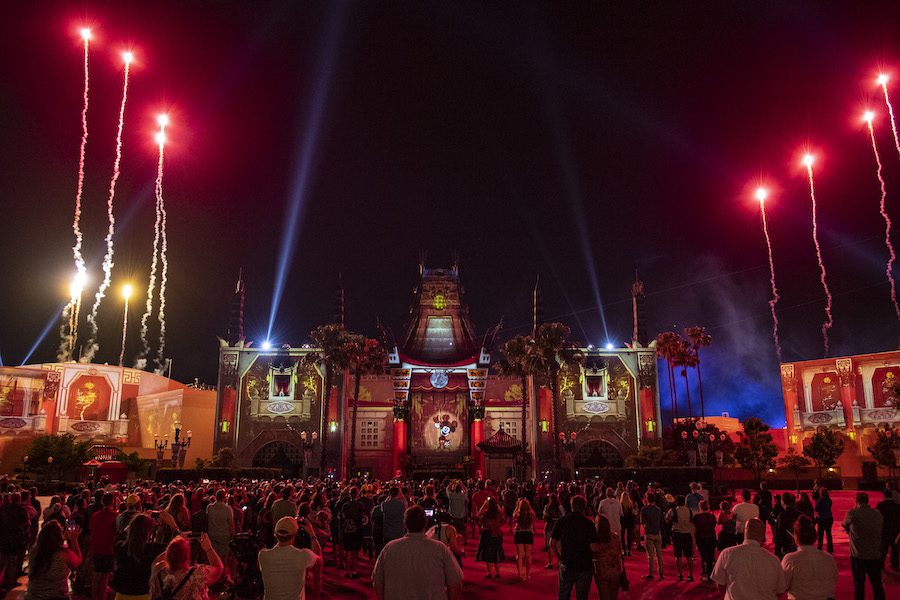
(365, 356)
(883, 449)
(651, 454)
(825, 448)
(224, 458)
(67, 453)
(133, 462)
(796, 464)
(670, 346)
(518, 361)
(699, 339)
(329, 339)
(551, 349)
(756, 451)
(686, 358)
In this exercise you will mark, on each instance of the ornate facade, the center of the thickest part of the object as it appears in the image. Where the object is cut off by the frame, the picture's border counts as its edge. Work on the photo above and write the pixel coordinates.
(437, 401)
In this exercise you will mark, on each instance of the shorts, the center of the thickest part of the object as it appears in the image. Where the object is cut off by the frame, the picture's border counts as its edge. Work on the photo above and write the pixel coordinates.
(103, 563)
(523, 537)
(683, 544)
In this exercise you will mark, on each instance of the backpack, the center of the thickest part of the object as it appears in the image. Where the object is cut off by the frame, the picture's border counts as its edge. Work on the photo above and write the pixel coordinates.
(166, 593)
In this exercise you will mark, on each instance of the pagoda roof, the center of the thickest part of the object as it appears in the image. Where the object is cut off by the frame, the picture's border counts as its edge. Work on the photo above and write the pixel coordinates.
(500, 443)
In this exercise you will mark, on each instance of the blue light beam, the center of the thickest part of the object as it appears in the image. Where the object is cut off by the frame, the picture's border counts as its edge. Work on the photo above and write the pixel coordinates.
(304, 163)
(51, 323)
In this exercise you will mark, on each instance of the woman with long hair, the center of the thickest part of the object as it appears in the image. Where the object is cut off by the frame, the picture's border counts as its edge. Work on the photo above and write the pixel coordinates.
(553, 512)
(134, 560)
(174, 571)
(728, 527)
(51, 560)
(523, 519)
(174, 519)
(490, 544)
(628, 519)
(607, 560)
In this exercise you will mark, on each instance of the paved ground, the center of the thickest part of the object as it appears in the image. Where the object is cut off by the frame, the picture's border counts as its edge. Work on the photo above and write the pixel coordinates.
(543, 582)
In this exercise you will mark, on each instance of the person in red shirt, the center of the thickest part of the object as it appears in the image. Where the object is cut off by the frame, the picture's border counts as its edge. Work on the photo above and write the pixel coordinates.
(103, 538)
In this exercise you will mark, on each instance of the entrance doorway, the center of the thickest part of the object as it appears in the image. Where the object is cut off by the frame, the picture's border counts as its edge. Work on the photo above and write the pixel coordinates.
(280, 455)
(596, 455)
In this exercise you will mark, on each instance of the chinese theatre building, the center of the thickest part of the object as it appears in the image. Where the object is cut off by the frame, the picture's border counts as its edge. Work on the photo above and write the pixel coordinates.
(852, 394)
(438, 409)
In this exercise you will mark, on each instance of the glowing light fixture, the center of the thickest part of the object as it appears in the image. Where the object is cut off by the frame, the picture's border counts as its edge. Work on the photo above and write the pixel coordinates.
(609, 346)
(267, 345)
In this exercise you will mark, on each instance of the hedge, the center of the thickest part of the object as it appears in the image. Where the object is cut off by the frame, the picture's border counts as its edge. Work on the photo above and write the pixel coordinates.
(168, 475)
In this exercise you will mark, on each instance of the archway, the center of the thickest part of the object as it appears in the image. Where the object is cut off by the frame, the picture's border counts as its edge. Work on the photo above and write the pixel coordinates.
(598, 454)
(280, 455)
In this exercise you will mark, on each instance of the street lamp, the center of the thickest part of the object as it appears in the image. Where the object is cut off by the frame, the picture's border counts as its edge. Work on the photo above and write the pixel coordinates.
(126, 294)
(160, 448)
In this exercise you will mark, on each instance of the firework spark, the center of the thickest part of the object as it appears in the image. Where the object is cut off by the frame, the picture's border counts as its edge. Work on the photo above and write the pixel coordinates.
(808, 161)
(761, 195)
(70, 311)
(883, 81)
(92, 345)
(163, 121)
(889, 271)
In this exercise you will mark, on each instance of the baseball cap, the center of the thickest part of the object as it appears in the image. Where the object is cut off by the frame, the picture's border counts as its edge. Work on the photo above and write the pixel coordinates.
(286, 526)
(132, 500)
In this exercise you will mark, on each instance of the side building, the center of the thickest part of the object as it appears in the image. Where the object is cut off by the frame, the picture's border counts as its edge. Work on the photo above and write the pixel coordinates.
(439, 409)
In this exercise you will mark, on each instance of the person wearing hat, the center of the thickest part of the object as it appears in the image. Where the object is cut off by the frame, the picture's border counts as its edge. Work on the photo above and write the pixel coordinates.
(132, 507)
(284, 566)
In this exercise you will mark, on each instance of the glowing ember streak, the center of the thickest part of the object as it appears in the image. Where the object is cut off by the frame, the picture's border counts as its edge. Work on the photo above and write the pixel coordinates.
(761, 195)
(70, 311)
(164, 248)
(153, 264)
(883, 81)
(126, 294)
(92, 345)
(887, 220)
(808, 161)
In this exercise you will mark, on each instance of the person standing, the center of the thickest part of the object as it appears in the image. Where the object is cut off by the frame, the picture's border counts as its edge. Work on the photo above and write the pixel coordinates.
(552, 514)
(607, 561)
(575, 540)
(415, 567)
(890, 513)
(284, 566)
(705, 535)
(810, 574)
(824, 518)
(285, 506)
(457, 501)
(490, 544)
(611, 508)
(13, 540)
(692, 500)
(52, 558)
(864, 525)
(766, 505)
(523, 519)
(651, 518)
(220, 525)
(748, 570)
(392, 515)
(682, 537)
(103, 538)
(784, 526)
(727, 532)
(743, 512)
(352, 519)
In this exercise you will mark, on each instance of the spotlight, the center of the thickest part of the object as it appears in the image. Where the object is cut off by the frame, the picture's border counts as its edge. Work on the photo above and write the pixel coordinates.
(590, 346)
(267, 345)
(609, 346)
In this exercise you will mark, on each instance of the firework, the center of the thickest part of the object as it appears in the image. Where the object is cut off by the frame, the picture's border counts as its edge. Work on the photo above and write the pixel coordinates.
(163, 121)
(883, 81)
(70, 312)
(126, 294)
(92, 346)
(808, 161)
(761, 195)
(868, 117)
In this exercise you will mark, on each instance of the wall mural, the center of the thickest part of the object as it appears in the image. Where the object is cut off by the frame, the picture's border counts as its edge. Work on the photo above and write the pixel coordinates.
(439, 422)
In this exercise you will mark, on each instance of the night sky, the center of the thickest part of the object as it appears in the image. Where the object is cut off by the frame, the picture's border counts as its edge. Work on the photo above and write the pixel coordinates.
(578, 143)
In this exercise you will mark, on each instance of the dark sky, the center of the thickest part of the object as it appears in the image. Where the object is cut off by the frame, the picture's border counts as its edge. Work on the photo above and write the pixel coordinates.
(578, 142)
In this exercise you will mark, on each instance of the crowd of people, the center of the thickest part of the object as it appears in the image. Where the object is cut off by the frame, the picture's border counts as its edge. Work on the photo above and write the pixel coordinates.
(278, 539)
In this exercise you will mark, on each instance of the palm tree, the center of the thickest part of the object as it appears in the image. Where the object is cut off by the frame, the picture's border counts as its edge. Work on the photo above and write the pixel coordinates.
(329, 339)
(365, 356)
(667, 344)
(686, 358)
(552, 349)
(699, 339)
(518, 362)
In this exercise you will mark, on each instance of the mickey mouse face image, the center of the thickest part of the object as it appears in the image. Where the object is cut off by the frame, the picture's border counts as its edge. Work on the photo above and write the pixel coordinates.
(445, 427)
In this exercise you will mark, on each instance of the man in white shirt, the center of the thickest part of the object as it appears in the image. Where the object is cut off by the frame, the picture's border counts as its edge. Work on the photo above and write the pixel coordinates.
(743, 512)
(749, 571)
(611, 508)
(810, 574)
(415, 567)
(284, 566)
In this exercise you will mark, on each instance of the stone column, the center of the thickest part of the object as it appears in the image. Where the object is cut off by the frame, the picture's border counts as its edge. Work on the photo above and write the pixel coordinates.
(848, 389)
(789, 391)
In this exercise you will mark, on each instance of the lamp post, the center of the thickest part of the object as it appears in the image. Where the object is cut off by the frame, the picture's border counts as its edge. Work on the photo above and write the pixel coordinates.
(126, 294)
(179, 447)
(160, 448)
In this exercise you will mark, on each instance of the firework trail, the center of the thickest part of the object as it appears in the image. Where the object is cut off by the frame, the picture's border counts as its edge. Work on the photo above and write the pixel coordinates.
(164, 245)
(882, 81)
(761, 195)
(808, 161)
(887, 220)
(70, 312)
(92, 345)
